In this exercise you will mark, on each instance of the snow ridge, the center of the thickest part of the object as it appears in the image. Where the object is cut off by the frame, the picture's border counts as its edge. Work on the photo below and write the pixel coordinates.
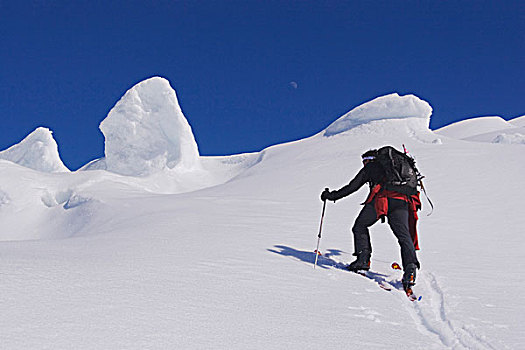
(391, 106)
(487, 129)
(474, 126)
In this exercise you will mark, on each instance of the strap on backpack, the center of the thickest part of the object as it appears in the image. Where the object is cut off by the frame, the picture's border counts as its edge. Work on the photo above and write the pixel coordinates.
(425, 192)
(420, 182)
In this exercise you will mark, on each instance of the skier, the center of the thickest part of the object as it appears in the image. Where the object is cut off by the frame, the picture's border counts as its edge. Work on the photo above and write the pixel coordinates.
(399, 208)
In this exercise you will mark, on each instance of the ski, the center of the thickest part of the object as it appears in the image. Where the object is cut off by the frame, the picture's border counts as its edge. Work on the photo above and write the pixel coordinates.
(375, 277)
(411, 296)
(379, 282)
(408, 291)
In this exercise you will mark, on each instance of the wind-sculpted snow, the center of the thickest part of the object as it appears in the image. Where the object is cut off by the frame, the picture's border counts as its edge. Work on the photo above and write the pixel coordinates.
(486, 129)
(474, 126)
(37, 151)
(222, 256)
(146, 132)
(390, 106)
(519, 122)
(515, 138)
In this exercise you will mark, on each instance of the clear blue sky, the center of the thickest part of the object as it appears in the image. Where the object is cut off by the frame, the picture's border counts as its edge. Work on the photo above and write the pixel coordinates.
(64, 64)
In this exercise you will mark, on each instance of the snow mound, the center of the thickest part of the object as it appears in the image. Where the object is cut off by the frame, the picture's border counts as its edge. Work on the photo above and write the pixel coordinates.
(473, 127)
(515, 138)
(147, 132)
(391, 106)
(487, 129)
(38, 151)
(519, 121)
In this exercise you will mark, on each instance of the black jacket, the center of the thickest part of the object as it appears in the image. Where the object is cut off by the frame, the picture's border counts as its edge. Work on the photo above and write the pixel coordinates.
(372, 173)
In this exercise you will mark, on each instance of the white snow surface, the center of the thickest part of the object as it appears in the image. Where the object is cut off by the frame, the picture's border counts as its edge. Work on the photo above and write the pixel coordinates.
(474, 126)
(98, 260)
(38, 151)
(486, 129)
(146, 132)
(519, 121)
(390, 106)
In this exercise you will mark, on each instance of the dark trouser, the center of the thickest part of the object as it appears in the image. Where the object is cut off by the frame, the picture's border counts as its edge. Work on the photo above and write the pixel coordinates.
(398, 221)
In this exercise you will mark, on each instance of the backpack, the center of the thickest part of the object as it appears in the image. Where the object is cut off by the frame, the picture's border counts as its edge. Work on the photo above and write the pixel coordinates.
(401, 174)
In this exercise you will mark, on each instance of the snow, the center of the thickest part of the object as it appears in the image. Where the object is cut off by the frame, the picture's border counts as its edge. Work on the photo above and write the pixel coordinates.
(147, 132)
(38, 151)
(519, 122)
(486, 129)
(386, 107)
(515, 138)
(223, 258)
(474, 126)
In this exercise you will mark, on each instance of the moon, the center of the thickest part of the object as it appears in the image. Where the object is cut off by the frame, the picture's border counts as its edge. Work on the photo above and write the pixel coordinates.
(293, 84)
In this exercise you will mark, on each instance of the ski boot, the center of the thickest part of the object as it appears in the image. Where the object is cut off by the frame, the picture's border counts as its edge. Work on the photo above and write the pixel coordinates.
(362, 263)
(409, 277)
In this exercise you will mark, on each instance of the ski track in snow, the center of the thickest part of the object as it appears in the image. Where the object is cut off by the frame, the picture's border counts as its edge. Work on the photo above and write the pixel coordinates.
(430, 313)
(432, 317)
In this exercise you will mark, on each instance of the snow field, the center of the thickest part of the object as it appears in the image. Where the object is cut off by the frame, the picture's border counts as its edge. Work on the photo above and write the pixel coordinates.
(221, 255)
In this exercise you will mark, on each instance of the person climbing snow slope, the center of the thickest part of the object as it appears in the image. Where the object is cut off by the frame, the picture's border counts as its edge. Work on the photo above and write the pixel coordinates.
(392, 178)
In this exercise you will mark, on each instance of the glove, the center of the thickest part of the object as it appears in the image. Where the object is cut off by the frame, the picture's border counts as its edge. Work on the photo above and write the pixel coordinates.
(326, 195)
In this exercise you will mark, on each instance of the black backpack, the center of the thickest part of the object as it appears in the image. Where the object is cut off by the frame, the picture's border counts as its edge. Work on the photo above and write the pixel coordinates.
(401, 173)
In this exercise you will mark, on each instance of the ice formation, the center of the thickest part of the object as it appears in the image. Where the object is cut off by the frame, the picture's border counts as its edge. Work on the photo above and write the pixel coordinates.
(147, 132)
(390, 106)
(38, 151)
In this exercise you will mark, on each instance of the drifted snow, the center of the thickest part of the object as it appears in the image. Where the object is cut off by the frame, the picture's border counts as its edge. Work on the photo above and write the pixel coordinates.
(390, 106)
(519, 122)
(231, 266)
(146, 132)
(486, 129)
(474, 126)
(38, 151)
(515, 138)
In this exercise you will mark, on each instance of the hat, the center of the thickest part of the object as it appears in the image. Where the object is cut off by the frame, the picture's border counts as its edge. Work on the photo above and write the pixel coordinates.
(369, 155)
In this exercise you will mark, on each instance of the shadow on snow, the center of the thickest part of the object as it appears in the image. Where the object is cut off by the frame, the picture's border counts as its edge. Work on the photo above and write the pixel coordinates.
(325, 261)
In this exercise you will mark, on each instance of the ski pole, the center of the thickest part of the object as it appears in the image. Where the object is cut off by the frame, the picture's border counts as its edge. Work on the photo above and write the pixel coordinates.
(320, 229)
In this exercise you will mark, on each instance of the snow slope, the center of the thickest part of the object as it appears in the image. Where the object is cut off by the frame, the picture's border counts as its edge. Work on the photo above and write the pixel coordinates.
(487, 129)
(114, 264)
(519, 121)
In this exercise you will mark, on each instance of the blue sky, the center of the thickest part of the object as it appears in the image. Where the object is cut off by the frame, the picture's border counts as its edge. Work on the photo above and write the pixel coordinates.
(64, 64)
